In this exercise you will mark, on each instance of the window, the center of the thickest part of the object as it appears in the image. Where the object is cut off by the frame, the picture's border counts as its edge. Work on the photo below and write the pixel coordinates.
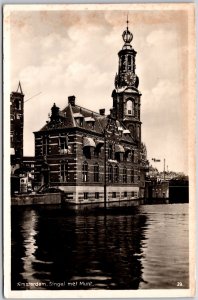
(125, 194)
(63, 171)
(133, 156)
(138, 132)
(18, 104)
(96, 152)
(130, 107)
(96, 195)
(124, 175)
(79, 121)
(87, 152)
(113, 194)
(123, 62)
(129, 62)
(63, 143)
(132, 194)
(127, 155)
(96, 173)
(85, 172)
(45, 145)
(85, 196)
(110, 152)
(132, 176)
(117, 156)
(110, 173)
(116, 174)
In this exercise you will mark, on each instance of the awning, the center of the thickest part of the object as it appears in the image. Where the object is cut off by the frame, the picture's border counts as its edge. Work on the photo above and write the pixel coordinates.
(78, 115)
(89, 119)
(126, 131)
(88, 142)
(127, 149)
(99, 143)
(119, 148)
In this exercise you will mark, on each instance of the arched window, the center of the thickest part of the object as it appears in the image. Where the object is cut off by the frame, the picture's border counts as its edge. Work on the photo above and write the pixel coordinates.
(18, 104)
(138, 132)
(85, 172)
(110, 173)
(124, 175)
(130, 107)
(129, 62)
(116, 174)
(96, 173)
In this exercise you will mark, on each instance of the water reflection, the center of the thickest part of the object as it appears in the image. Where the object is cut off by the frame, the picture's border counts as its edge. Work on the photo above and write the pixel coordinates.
(98, 252)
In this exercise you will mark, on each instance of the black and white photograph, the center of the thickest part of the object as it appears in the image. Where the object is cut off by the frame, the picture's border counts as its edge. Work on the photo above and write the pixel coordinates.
(99, 150)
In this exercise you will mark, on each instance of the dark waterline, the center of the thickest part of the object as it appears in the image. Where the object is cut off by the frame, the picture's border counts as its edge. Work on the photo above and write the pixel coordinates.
(146, 249)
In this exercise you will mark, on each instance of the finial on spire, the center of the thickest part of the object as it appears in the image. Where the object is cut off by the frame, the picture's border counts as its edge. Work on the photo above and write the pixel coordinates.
(127, 35)
(127, 21)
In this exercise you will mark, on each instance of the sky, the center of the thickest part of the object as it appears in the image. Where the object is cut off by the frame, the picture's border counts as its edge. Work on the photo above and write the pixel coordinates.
(60, 53)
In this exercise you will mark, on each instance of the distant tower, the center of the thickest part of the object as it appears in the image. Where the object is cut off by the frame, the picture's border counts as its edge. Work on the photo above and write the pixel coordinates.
(126, 96)
(16, 124)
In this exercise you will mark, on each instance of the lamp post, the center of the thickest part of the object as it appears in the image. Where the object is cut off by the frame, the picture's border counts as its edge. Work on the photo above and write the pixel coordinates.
(105, 171)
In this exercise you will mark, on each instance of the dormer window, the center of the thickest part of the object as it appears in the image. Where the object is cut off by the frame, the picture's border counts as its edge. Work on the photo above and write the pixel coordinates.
(79, 119)
(90, 121)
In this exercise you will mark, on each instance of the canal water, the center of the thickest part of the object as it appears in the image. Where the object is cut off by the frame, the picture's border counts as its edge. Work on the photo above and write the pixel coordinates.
(144, 249)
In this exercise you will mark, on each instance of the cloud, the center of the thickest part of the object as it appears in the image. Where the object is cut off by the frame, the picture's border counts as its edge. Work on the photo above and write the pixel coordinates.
(75, 53)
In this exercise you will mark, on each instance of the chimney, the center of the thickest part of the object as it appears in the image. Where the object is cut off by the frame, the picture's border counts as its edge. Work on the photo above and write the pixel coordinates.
(71, 100)
(55, 112)
(102, 111)
(112, 113)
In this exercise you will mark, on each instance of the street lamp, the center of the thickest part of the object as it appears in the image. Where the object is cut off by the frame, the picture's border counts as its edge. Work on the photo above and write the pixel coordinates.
(105, 170)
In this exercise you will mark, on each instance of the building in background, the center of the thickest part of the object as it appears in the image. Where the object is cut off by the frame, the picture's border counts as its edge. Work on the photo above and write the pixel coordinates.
(91, 156)
(22, 168)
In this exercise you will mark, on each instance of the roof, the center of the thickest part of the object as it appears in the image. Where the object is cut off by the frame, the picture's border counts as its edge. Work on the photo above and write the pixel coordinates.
(82, 118)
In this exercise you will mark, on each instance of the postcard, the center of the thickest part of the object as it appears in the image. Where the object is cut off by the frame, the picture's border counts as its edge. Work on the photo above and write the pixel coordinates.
(99, 150)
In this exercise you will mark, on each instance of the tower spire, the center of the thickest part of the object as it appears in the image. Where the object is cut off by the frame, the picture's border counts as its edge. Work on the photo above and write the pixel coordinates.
(19, 88)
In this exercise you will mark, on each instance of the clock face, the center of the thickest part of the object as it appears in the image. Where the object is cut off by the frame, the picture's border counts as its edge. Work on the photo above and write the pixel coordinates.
(130, 78)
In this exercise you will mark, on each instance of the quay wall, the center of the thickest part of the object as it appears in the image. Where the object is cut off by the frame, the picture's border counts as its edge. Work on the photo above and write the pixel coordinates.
(57, 199)
(38, 199)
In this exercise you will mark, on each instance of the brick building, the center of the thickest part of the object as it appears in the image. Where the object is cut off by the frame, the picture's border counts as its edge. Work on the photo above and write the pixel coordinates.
(92, 156)
(22, 167)
(16, 127)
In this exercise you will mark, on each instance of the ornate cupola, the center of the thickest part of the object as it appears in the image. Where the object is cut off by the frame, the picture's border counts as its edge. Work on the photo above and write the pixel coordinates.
(126, 96)
(126, 70)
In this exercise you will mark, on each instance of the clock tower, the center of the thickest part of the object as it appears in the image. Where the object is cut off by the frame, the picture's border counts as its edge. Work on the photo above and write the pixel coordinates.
(126, 96)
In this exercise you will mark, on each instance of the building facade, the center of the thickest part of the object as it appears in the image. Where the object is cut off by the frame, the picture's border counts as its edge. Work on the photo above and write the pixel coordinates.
(91, 156)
